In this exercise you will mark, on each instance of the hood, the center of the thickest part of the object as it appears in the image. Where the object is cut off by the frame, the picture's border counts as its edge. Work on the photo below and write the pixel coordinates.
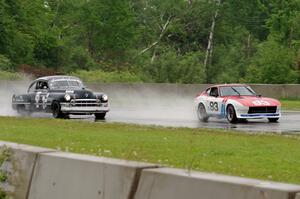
(82, 94)
(255, 101)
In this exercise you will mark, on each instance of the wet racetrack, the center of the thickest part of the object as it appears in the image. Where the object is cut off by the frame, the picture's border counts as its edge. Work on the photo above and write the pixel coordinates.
(161, 108)
(288, 124)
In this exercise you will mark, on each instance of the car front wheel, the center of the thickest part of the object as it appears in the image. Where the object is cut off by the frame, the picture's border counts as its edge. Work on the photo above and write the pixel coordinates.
(22, 111)
(231, 114)
(56, 110)
(201, 113)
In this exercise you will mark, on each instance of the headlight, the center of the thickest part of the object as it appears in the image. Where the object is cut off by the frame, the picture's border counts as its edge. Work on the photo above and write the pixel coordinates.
(67, 97)
(104, 98)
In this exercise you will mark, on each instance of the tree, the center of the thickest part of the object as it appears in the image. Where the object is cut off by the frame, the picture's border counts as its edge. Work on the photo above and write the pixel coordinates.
(273, 64)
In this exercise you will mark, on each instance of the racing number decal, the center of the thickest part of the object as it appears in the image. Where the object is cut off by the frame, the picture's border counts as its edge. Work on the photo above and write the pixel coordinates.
(41, 99)
(214, 106)
(37, 99)
(261, 103)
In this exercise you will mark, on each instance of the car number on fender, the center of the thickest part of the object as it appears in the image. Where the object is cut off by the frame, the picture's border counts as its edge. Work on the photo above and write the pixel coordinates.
(214, 106)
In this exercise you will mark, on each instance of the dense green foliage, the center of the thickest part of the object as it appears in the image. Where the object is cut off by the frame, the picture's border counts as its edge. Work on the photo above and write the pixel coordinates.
(157, 41)
(265, 156)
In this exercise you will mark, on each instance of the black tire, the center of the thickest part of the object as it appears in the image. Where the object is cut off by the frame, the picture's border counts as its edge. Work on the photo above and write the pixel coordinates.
(231, 114)
(100, 116)
(56, 110)
(201, 113)
(22, 111)
(273, 120)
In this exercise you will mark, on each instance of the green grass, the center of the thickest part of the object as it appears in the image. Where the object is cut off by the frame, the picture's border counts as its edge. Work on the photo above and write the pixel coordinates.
(290, 104)
(269, 157)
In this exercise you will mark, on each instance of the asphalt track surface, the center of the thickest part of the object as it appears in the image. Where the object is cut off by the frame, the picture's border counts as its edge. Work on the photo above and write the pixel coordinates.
(289, 123)
(158, 107)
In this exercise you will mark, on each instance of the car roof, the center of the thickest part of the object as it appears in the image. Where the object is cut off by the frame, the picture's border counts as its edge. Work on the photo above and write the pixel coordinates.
(47, 78)
(227, 85)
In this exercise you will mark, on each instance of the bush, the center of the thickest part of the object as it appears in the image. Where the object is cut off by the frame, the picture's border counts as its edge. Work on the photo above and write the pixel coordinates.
(5, 63)
(273, 64)
(173, 68)
(4, 75)
(81, 60)
(101, 76)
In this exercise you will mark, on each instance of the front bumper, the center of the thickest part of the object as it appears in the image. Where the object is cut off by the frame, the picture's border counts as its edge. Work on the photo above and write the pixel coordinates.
(259, 115)
(244, 113)
(68, 108)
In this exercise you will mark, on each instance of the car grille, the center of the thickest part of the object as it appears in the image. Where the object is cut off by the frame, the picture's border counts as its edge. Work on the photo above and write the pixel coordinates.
(264, 109)
(84, 102)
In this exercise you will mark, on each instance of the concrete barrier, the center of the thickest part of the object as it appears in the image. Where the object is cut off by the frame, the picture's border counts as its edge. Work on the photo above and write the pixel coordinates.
(39, 173)
(72, 176)
(19, 167)
(165, 183)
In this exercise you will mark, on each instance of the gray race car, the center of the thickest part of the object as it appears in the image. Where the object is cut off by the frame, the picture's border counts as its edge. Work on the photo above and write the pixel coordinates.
(61, 96)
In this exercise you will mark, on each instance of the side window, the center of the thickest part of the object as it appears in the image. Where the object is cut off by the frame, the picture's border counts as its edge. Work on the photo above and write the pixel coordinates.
(214, 92)
(32, 88)
(208, 91)
(41, 85)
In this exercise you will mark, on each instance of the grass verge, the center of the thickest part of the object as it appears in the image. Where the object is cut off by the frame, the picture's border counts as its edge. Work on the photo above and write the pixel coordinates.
(268, 157)
(290, 104)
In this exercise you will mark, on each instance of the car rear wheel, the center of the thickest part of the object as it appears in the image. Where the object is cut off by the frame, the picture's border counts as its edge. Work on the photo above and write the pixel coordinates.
(231, 114)
(56, 110)
(22, 111)
(100, 116)
(273, 119)
(202, 114)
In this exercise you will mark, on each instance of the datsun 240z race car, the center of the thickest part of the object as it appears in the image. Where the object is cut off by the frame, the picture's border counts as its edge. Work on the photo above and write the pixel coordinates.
(235, 102)
(61, 96)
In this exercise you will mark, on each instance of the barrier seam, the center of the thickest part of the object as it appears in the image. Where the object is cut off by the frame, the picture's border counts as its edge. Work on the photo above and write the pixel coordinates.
(33, 171)
(136, 180)
(297, 195)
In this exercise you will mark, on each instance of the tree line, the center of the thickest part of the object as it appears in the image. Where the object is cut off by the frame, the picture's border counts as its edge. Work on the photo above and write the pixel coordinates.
(176, 41)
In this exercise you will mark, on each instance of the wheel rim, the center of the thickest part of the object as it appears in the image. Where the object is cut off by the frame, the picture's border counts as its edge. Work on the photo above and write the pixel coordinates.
(230, 113)
(201, 111)
(55, 110)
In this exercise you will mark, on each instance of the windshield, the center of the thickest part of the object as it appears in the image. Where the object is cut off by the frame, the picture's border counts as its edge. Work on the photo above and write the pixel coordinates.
(236, 91)
(65, 84)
